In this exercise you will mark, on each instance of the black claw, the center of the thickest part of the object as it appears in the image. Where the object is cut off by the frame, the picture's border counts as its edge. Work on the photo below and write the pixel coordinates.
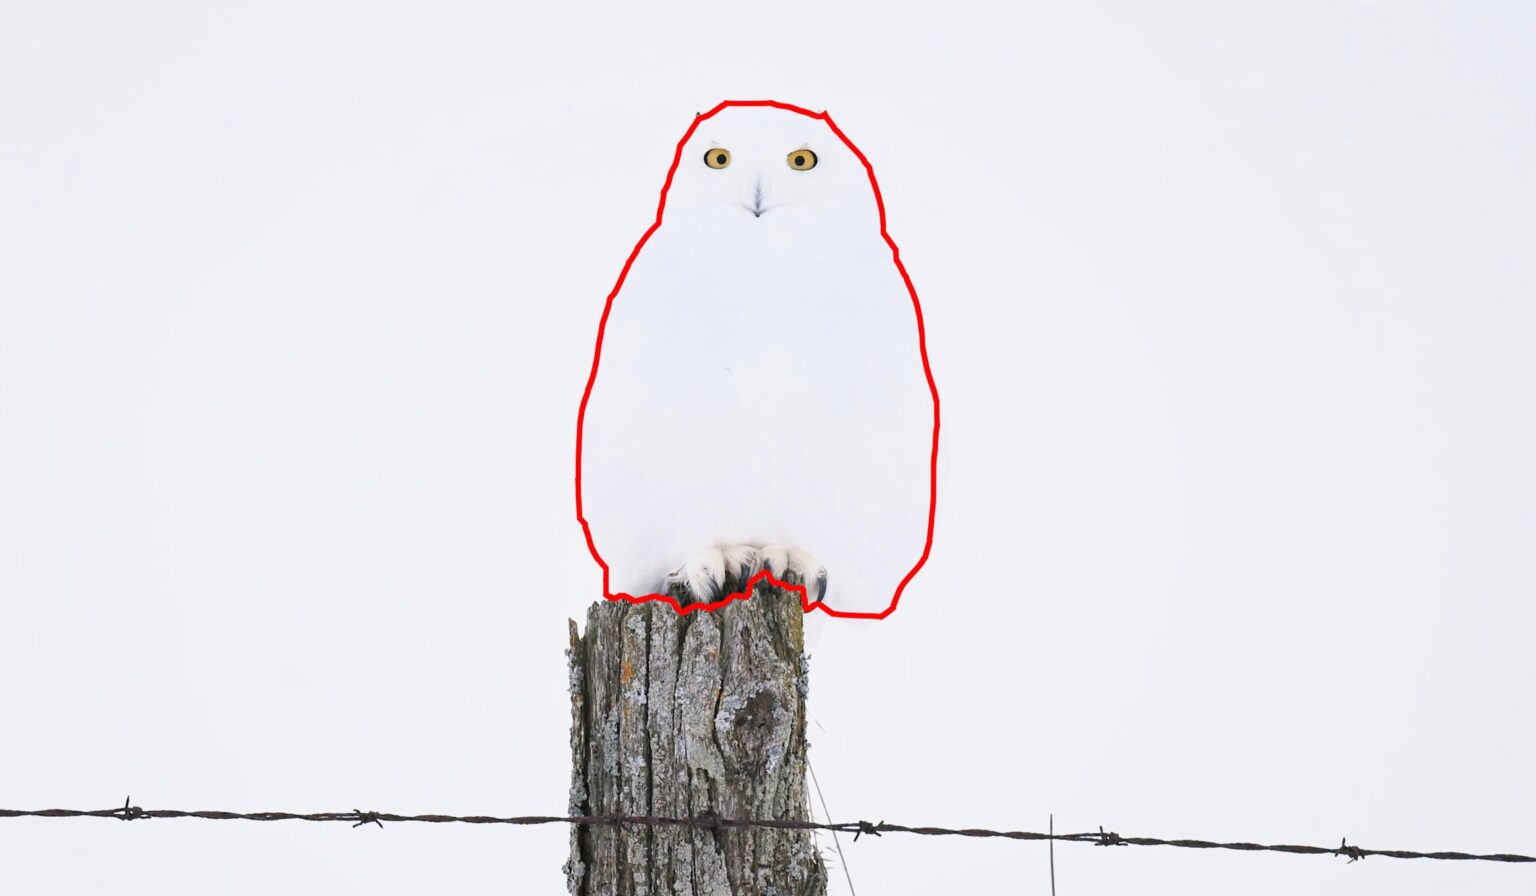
(677, 589)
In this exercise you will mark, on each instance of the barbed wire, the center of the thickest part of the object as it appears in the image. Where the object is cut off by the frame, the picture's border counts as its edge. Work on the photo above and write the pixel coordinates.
(712, 821)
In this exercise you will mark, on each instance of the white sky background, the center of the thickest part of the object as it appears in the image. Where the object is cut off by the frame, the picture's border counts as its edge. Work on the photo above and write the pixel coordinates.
(1231, 313)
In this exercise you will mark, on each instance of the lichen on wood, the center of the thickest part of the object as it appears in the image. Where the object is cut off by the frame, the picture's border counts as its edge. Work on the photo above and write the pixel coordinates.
(679, 715)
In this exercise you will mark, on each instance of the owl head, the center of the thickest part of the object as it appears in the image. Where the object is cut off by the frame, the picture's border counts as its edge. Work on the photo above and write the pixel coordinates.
(769, 166)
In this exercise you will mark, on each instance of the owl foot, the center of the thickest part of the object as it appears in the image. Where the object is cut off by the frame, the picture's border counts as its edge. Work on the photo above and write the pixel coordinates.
(795, 567)
(713, 573)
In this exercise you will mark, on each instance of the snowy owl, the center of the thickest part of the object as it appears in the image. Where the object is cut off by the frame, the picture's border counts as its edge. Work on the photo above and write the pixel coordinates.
(760, 400)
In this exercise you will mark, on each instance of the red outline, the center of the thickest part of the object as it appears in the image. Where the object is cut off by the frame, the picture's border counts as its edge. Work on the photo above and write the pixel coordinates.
(921, 343)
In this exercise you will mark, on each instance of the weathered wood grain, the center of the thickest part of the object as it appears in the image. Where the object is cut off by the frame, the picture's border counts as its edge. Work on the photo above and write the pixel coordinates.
(675, 716)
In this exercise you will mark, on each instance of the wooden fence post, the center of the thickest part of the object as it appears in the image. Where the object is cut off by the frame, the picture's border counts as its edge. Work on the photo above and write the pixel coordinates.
(679, 715)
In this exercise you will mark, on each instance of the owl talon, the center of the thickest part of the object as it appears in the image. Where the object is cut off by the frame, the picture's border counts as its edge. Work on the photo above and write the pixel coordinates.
(795, 567)
(713, 573)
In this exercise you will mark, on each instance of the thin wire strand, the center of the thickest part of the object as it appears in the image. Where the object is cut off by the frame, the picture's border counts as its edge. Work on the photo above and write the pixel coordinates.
(712, 821)
(827, 814)
(1052, 831)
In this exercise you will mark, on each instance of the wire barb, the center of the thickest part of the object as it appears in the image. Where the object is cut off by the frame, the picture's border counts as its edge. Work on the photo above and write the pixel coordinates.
(1355, 853)
(866, 828)
(366, 818)
(129, 812)
(1109, 839)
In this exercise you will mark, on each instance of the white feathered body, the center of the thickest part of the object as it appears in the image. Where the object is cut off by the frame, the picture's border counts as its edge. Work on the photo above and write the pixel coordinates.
(761, 381)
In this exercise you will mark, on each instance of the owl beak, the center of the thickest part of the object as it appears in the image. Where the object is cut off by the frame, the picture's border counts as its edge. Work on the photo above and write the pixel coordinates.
(757, 208)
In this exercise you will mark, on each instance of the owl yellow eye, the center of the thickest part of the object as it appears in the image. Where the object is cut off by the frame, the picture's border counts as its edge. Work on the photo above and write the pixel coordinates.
(801, 160)
(717, 157)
